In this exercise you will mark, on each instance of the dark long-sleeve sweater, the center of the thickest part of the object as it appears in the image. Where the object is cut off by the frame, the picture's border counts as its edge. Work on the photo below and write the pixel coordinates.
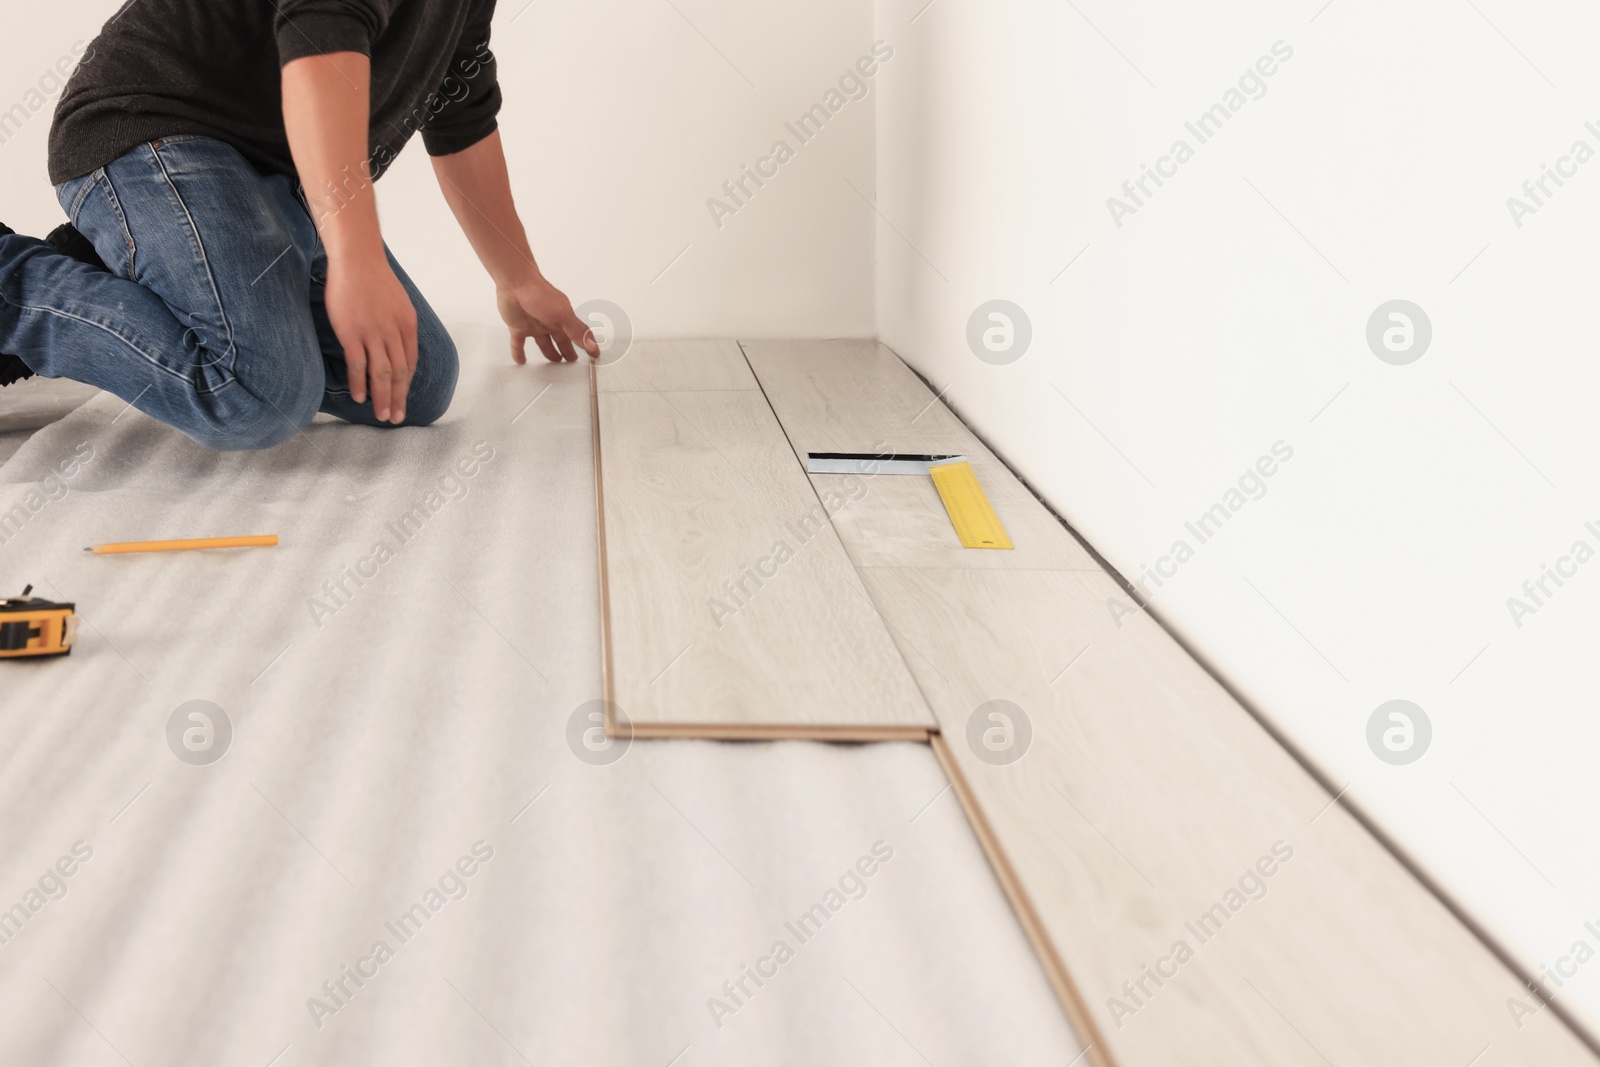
(164, 68)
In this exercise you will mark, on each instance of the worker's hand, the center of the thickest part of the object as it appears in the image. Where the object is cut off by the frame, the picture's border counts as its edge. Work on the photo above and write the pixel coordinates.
(326, 113)
(373, 316)
(541, 311)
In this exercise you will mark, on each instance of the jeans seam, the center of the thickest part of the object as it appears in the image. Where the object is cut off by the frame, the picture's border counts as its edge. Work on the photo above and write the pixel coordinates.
(83, 194)
(226, 363)
(147, 357)
(316, 236)
(115, 203)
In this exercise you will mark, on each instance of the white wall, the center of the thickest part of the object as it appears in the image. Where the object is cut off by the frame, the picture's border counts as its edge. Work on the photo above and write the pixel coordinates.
(36, 39)
(1229, 313)
(621, 120)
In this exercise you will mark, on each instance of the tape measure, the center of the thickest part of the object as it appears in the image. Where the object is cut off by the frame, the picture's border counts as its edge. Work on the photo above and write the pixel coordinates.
(970, 511)
(31, 626)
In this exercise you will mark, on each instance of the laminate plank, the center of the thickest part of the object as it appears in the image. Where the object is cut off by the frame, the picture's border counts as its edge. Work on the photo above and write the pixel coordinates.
(852, 396)
(857, 396)
(1149, 809)
(732, 609)
(656, 365)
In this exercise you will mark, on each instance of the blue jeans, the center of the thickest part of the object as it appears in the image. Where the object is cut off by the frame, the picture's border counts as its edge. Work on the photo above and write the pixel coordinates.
(212, 318)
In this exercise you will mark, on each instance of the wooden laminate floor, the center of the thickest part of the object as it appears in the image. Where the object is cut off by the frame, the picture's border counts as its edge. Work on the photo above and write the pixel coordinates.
(1196, 896)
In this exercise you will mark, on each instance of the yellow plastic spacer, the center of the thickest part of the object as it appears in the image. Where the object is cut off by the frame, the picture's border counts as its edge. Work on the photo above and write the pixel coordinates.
(970, 512)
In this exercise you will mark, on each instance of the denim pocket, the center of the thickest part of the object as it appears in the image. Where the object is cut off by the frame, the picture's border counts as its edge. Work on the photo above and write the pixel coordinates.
(113, 221)
(92, 204)
(70, 195)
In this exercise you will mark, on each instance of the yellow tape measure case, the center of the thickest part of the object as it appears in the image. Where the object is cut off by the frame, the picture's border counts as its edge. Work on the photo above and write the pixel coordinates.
(31, 626)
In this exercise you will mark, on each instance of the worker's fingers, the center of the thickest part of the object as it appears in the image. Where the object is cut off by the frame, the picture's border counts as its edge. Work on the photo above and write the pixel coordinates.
(399, 380)
(564, 343)
(582, 335)
(547, 346)
(355, 365)
(381, 375)
(405, 347)
(519, 347)
(398, 388)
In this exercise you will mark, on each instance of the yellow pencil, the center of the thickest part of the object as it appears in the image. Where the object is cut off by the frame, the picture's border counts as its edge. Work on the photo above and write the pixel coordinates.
(179, 546)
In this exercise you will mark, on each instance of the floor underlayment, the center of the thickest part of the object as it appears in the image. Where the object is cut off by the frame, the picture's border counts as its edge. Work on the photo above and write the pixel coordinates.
(1194, 893)
(410, 683)
(27, 405)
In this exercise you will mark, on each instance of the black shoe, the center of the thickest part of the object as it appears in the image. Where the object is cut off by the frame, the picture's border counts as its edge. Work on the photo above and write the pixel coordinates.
(12, 369)
(69, 242)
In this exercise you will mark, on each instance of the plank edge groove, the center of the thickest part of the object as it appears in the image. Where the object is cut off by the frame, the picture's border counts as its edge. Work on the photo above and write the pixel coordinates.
(730, 731)
(607, 684)
(949, 568)
(1066, 989)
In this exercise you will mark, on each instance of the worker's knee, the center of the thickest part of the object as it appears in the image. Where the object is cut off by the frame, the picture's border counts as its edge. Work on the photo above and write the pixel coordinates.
(268, 410)
(438, 368)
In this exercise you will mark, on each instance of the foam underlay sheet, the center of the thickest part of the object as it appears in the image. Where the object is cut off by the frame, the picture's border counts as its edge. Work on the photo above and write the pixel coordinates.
(36, 402)
(27, 405)
(400, 715)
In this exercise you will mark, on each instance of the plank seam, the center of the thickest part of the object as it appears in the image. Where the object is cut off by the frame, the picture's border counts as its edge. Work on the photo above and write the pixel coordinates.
(607, 682)
(1061, 981)
(849, 555)
(954, 567)
(713, 731)
(751, 389)
(1066, 989)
